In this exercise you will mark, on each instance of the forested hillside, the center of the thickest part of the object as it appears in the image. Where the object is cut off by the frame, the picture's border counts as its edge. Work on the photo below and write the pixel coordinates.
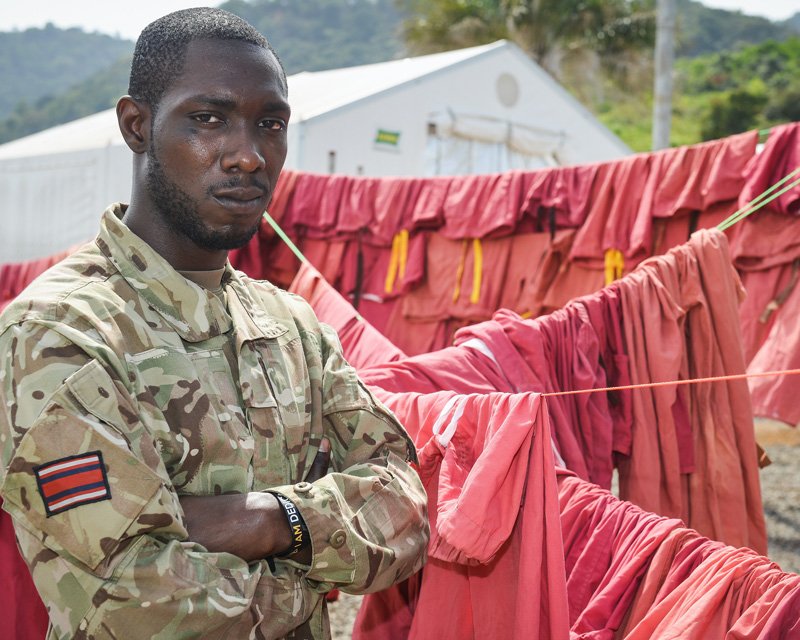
(40, 62)
(51, 76)
(314, 35)
(97, 92)
(703, 30)
(715, 95)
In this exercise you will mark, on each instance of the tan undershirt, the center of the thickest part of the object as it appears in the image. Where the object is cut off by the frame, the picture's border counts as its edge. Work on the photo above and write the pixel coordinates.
(210, 279)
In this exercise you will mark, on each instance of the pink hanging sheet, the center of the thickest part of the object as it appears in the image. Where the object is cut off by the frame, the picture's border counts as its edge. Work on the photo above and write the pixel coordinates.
(779, 158)
(496, 563)
(634, 575)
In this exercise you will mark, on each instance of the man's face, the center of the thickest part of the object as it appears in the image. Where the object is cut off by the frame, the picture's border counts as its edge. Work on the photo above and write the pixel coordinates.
(217, 145)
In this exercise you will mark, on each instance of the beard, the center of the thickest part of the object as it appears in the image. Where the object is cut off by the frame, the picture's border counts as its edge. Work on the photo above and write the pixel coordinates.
(182, 213)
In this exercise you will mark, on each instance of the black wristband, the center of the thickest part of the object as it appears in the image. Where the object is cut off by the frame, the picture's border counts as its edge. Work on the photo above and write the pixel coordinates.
(300, 536)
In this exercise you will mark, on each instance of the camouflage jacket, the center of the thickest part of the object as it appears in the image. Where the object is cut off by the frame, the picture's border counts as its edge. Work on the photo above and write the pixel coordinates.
(117, 399)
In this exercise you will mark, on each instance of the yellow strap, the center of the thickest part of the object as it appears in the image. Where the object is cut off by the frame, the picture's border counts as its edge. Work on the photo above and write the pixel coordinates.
(477, 271)
(615, 264)
(403, 252)
(388, 285)
(457, 291)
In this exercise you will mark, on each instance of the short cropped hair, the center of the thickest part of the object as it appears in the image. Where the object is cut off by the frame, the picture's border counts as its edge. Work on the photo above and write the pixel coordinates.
(160, 51)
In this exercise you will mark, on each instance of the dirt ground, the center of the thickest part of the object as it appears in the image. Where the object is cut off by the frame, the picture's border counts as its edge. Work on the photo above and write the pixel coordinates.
(343, 615)
(780, 491)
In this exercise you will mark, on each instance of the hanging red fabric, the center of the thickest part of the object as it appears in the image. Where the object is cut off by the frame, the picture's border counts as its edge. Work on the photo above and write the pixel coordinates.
(495, 567)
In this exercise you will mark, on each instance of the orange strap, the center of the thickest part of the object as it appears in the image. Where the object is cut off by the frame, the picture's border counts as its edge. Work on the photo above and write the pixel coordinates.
(403, 251)
(477, 271)
(398, 260)
(740, 376)
(615, 264)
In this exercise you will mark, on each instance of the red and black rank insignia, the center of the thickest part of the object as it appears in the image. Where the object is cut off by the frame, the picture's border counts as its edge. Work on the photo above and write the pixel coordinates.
(71, 482)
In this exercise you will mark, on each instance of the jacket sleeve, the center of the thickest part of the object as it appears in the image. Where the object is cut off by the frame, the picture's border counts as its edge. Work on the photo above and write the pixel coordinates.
(368, 517)
(119, 559)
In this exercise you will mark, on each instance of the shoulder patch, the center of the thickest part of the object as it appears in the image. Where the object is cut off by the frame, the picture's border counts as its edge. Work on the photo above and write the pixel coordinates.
(72, 481)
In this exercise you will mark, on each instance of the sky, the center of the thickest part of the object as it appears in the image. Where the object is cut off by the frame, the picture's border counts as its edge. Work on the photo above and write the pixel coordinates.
(124, 20)
(772, 9)
(98, 15)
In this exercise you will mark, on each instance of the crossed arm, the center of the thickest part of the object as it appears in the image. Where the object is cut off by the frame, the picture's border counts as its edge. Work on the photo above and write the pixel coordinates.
(252, 526)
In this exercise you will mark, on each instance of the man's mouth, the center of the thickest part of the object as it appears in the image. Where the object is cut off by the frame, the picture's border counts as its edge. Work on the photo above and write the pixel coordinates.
(241, 199)
(243, 194)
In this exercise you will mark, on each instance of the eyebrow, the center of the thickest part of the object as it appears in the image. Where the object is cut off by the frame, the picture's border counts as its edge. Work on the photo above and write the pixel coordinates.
(229, 103)
(216, 101)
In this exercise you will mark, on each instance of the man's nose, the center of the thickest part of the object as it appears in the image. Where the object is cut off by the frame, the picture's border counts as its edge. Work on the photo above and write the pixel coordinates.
(243, 152)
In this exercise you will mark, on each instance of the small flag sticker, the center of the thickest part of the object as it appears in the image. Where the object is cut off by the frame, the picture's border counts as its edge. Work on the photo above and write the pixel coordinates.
(70, 482)
(391, 138)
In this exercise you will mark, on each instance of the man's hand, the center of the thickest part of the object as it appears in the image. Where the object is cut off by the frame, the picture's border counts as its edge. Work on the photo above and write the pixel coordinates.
(251, 525)
(319, 468)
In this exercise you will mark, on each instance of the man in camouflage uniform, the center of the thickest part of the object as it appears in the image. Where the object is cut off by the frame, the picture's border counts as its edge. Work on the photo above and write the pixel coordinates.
(185, 452)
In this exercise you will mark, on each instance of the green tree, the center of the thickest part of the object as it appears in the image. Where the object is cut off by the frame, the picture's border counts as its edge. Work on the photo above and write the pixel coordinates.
(444, 25)
(784, 106)
(735, 113)
(547, 31)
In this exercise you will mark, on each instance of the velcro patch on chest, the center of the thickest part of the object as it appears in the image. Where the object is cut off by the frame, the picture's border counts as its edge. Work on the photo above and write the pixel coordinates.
(73, 481)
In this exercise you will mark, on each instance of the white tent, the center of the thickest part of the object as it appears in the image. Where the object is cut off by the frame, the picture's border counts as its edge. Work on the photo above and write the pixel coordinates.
(478, 110)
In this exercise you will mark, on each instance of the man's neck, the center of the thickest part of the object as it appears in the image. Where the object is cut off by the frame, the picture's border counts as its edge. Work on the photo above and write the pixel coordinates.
(210, 279)
(182, 253)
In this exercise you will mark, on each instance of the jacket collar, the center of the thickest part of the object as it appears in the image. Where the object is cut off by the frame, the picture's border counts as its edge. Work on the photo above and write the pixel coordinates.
(194, 313)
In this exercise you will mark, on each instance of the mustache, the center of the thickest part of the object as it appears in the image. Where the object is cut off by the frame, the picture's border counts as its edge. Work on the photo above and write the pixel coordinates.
(236, 182)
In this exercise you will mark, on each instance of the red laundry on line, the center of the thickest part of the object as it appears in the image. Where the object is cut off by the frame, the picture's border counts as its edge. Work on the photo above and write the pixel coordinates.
(495, 567)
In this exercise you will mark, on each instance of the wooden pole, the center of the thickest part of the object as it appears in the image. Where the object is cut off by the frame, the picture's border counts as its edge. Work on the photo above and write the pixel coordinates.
(664, 62)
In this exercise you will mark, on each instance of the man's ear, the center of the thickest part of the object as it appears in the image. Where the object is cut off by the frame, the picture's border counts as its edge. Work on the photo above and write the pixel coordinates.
(135, 119)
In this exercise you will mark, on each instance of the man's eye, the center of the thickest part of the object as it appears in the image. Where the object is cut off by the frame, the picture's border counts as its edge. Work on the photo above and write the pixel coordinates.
(206, 118)
(273, 125)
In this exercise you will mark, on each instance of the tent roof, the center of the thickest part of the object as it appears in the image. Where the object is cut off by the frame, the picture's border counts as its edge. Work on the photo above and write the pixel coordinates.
(312, 93)
(97, 130)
